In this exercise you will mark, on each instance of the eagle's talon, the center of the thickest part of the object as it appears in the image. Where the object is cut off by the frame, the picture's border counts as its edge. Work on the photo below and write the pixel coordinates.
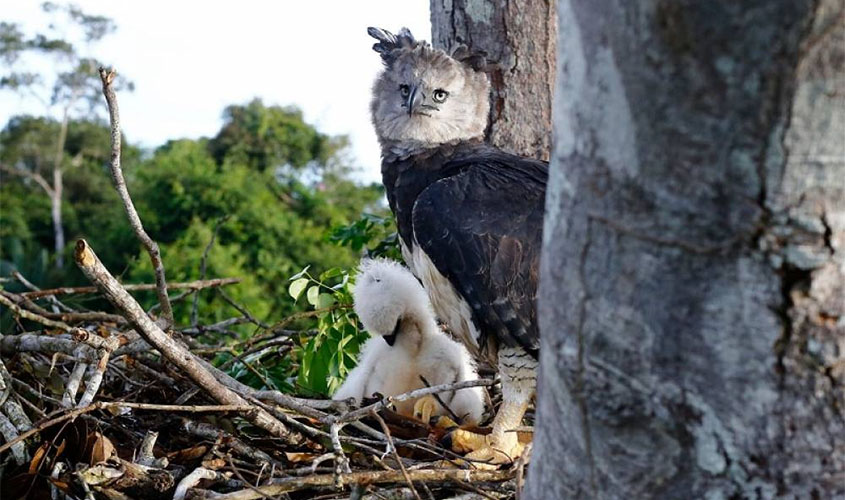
(445, 423)
(464, 441)
(425, 407)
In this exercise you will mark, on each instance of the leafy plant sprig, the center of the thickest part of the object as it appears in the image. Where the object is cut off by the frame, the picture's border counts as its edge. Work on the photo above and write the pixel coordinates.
(327, 356)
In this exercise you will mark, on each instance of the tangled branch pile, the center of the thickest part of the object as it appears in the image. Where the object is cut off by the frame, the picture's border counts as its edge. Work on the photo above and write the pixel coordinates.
(126, 404)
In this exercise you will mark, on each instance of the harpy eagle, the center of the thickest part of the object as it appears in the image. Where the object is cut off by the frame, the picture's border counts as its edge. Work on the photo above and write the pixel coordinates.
(469, 215)
(407, 343)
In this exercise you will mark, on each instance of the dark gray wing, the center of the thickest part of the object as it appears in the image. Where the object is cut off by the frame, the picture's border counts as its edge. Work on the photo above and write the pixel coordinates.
(482, 229)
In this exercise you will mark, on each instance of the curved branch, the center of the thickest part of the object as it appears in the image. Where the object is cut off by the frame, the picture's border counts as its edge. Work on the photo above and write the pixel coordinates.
(174, 351)
(120, 184)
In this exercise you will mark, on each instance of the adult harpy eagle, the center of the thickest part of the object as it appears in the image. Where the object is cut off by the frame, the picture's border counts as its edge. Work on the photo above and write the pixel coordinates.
(470, 216)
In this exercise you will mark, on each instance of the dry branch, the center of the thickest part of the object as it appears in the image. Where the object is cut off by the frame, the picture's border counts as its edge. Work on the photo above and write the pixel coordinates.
(385, 402)
(191, 285)
(73, 382)
(48, 344)
(102, 405)
(120, 184)
(104, 347)
(180, 356)
(23, 313)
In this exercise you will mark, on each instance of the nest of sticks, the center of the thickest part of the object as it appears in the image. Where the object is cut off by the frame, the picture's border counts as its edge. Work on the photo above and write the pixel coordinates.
(125, 404)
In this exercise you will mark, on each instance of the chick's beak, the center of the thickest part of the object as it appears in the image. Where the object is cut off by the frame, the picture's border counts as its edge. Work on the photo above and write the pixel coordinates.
(390, 339)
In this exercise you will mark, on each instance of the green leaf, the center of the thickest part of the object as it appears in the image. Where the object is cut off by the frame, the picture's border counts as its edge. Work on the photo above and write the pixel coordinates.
(331, 273)
(295, 289)
(313, 295)
(300, 274)
(324, 300)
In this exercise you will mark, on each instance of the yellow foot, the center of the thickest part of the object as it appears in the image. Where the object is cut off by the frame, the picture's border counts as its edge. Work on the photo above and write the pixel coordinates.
(494, 455)
(425, 407)
(485, 451)
(463, 441)
(445, 423)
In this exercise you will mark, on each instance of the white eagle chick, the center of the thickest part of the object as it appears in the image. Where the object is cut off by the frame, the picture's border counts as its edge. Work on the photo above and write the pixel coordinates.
(407, 344)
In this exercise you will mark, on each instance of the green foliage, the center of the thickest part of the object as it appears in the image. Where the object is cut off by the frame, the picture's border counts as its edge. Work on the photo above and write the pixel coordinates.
(28, 143)
(268, 137)
(327, 356)
(376, 234)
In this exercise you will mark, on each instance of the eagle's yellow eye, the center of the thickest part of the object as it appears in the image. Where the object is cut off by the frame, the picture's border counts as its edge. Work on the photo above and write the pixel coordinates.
(404, 90)
(439, 95)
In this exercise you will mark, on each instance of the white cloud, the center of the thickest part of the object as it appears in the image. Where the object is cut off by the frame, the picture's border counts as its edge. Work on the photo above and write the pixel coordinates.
(191, 59)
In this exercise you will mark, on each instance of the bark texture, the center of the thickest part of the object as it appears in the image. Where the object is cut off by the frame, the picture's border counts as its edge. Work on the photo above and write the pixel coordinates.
(692, 300)
(519, 39)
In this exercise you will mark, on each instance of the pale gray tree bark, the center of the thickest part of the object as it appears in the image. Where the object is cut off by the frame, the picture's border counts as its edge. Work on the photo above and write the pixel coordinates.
(693, 276)
(519, 39)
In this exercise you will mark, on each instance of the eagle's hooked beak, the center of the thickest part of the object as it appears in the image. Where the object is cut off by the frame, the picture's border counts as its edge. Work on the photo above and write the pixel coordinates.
(414, 97)
(391, 339)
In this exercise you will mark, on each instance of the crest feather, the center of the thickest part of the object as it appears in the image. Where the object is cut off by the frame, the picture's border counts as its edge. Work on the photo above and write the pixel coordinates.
(389, 44)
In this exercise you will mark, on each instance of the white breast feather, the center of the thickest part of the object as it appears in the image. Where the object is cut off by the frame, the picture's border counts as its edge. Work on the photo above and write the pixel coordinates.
(449, 307)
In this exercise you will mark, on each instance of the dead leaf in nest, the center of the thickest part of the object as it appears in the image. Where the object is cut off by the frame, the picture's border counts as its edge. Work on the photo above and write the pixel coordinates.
(214, 463)
(100, 474)
(37, 457)
(58, 483)
(298, 458)
(188, 454)
(101, 448)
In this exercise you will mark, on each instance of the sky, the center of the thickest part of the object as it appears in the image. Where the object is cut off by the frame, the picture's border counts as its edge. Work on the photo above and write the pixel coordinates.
(190, 59)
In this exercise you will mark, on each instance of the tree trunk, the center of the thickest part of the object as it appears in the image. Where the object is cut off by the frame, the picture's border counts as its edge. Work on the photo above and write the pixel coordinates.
(519, 38)
(692, 302)
(56, 194)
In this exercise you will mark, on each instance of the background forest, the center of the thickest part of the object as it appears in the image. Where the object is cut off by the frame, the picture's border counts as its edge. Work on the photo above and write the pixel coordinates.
(265, 198)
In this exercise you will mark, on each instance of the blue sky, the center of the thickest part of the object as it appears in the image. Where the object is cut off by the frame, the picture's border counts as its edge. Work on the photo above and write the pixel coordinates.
(190, 59)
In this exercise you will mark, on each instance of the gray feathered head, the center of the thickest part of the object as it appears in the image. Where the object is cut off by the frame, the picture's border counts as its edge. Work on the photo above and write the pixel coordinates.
(426, 97)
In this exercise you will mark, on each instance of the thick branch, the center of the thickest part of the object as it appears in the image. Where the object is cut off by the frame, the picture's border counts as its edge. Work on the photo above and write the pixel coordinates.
(120, 184)
(180, 356)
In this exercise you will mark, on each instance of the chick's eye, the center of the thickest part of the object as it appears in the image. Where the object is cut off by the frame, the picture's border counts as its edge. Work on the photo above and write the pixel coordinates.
(404, 90)
(439, 95)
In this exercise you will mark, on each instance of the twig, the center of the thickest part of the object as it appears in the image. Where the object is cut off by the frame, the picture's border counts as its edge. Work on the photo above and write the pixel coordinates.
(279, 486)
(454, 417)
(220, 326)
(192, 480)
(28, 342)
(102, 405)
(145, 451)
(191, 285)
(396, 456)
(31, 286)
(242, 309)
(384, 402)
(207, 431)
(23, 313)
(13, 440)
(120, 184)
(180, 356)
(341, 461)
(104, 347)
(73, 382)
